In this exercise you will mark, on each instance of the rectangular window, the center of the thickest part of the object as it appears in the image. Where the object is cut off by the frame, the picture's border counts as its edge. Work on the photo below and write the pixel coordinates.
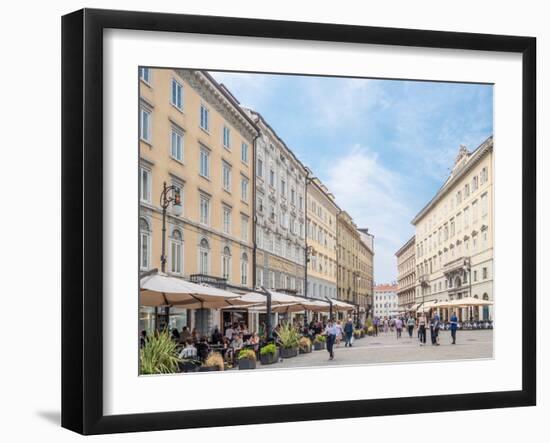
(244, 228)
(204, 162)
(300, 202)
(484, 273)
(244, 189)
(260, 168)
(145, 124)
(475, 275)
(474, 211)
(144, 250)
(226, 137)
(272, 177)
(293, 196)
(145, 74)
(226, 176)
(205, 118)
(283, 188)
(145, 185)
(204, 210)
(484, 207)
(176, 97)
(176, 144)
(227, 220)
(244, 152)
(176, 256)
(466, 218)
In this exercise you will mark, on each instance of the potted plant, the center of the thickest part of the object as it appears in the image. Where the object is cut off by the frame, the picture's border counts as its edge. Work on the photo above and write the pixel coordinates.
(357, 333)
(289, 339)
(269, 354)
(159, 355)
(247, 359)
(320, 342)
(214, 362)
(305, 345)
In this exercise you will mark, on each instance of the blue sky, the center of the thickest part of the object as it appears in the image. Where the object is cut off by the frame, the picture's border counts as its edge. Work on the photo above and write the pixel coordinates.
(383, 147)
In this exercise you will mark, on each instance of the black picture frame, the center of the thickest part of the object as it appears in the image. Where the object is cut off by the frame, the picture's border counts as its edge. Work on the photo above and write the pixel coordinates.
(82, 216)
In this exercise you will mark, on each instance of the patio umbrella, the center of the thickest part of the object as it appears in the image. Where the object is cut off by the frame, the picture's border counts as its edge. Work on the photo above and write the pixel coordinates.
(341, 306)
(470, 301)
(160, 289)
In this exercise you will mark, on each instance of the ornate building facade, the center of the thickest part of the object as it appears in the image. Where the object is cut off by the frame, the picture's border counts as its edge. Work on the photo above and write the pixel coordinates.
(193, 135)
(454, 234)
(406, 275)
(280, 213)
(321, 239)
(385, 301)
(354, 279)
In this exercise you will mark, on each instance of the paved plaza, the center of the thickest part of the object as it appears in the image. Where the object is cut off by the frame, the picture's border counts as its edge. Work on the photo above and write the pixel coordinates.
(386, 348)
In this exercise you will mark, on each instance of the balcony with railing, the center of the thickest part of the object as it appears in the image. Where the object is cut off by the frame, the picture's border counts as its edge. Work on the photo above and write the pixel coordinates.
(460, 263)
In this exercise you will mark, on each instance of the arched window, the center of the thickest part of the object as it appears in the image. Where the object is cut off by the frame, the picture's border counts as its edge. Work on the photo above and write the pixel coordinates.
(244, 269)
(176, 252)
(204, 257)
(226, 263)
(485, 296)
(144, 245)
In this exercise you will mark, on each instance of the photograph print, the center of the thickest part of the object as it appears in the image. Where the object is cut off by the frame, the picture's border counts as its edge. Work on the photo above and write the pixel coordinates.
(300, 221)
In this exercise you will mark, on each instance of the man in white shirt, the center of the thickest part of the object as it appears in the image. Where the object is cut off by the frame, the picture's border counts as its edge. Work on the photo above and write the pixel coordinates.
(229, 332)
(330, 331)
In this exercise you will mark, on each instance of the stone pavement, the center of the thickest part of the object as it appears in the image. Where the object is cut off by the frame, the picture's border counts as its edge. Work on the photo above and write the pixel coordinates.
(386, 348)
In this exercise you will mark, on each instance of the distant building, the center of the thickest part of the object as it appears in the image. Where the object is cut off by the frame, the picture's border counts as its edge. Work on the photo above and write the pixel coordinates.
(385, 300)
(321, 240)
(406, 275)
(366, 255)
(454, 235)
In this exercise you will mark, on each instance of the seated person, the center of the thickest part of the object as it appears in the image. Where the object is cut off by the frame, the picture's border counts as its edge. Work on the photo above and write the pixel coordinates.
(185, 335)
(189, 351)
(217, 336)
(203, 349)
(235, 347)
(254, 341)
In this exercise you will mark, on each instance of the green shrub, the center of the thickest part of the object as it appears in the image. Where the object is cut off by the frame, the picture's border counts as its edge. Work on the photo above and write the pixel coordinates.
(268, 349)
(320, 339)
(248, 354)
(159, 355)
(288, 336)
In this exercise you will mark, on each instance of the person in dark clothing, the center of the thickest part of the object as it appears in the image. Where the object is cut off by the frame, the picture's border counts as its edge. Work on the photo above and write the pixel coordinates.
(331, 332)
(217, 336)
(348, 332)
(454, 326)
(434, 329)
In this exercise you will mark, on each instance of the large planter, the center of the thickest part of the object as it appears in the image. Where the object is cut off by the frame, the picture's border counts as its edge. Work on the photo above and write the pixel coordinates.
(319, 345)
(247, 363)
(208, 369)
(269, 359)
(305, 350)
(188, 367)
(289, 352)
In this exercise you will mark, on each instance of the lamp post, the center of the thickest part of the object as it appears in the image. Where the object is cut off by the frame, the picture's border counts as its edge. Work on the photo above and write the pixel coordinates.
(170, 195)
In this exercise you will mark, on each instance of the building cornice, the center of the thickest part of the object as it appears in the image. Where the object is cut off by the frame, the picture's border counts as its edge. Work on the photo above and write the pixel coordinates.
(475, 157)
(406, 246)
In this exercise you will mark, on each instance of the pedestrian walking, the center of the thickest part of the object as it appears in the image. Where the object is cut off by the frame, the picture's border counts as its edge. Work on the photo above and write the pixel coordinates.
(348, 332)
(386, 325)
(339, 332)
(434, 329)
(330, 332)
(422, 329)
(398, 327)
(376, 322)
(410, 325)
(454, 326)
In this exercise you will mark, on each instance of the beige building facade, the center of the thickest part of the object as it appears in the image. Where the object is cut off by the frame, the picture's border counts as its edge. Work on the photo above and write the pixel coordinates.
(193, 135)
(321, 223)
(406, 275)
(454, 235)
(353, 280)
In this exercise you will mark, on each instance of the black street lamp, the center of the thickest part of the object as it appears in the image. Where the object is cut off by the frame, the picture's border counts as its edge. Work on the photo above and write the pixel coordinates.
(169, 195)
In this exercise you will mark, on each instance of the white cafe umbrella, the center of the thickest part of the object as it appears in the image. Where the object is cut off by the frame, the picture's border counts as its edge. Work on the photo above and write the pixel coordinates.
(160, 289)
(470, 301)
(341, 306)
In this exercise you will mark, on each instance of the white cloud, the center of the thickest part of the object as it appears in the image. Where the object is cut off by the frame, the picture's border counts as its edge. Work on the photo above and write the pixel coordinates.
(375, 197)
(342, 102)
